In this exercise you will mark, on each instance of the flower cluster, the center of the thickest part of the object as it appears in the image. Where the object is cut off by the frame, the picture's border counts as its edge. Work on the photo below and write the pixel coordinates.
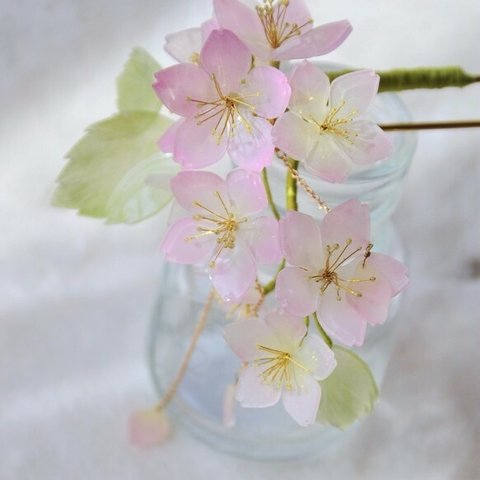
(232, 98)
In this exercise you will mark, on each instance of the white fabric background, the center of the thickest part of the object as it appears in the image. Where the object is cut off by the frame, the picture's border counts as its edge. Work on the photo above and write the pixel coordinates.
(75, 295)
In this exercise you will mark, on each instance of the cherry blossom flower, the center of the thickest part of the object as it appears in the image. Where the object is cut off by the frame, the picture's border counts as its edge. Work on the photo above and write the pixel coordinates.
(225, 105)
(185, 45)
(335, 273)
(325, 126)
(281, 361)
(222, 227)
(279, 30)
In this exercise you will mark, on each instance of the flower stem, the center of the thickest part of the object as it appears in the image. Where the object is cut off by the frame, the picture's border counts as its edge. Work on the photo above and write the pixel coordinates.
(291, 186)
(172, 389)
(268, 191)
(411, 78)
(322, 332)
(270, 286)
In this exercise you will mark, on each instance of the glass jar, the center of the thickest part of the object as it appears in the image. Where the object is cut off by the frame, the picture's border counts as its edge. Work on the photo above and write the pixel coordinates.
(270, 434)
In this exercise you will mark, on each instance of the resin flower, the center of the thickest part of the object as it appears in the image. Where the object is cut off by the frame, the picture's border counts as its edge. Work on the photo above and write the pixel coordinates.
(325, 126)
(222, 227)
(279, 30)
(335, 273)
(281, 361)
(185, 45)
(225, 105)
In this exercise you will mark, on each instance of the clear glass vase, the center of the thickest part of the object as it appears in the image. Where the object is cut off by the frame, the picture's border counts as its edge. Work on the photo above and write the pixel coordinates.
(270, 434)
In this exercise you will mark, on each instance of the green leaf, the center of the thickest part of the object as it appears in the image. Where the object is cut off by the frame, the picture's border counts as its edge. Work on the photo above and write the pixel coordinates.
(134, 84)
(101, 159)
(136, 197)
(349, 393)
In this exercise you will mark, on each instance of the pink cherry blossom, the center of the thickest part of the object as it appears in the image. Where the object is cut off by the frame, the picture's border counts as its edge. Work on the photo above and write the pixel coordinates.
(185, 45)
(326, 127)
(335, 273)
(279, 30)
(281, 361)
(223, 227)
(225, 106)
(148, 428)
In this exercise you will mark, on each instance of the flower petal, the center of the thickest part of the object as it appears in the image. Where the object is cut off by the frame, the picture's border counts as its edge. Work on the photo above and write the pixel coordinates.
(392, 270)
(178, 249)
(184, 44)
(294, 136)
(167, 140)
(356, 90)
(148, 428)
(252, 392)
(288, 329)
(262, 236)
(340, 319)
(328, 160)
(190, 188)
(195, 146)
(296, 292)
(251, 145)
(310, 91)
(369, 143)
(303, 405)
(246, 192)
(267, 89)
(226, 57)
(301, 240)
(317, 41)
(244, 22)
(297, 13)
(317, 356)
(208, 27)
(177, 84)
(234, 272)
(244, 335)
(349, 221)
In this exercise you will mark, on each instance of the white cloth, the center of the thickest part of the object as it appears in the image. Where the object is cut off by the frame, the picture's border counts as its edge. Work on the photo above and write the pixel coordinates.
(75, 295)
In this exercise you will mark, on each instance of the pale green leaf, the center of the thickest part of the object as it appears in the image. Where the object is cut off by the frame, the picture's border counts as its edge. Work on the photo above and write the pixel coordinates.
(349, 393)
(134, 84)
(102, 158)
(135, 197)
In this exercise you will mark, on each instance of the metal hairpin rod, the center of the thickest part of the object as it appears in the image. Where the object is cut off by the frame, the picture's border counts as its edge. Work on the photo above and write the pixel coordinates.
(431, 125)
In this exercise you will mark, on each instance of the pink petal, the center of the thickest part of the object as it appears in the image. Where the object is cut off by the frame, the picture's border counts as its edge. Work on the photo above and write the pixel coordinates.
(369, 143)
(226, 57)
(262, 236)
(294, 136)
(310, 91)
(244, 22)
(190, 188)
(303, 405)
(375, 300)
(167, 140)
(301, 240)
(208, 27)
(244, 335)
(148, 428)
(317, 41)
(182, 45)
(349, 221)
(287, 328)
(176, 85)
(297, 13)
(234, 272)
(357, 90)
(251, 145)
(252, 392)
(317, 356)
(246, 192)
(178, 249)
(340, 319)
(267, 89)
(195, 146)
(389, 268)
(328, 160)
(296, 292)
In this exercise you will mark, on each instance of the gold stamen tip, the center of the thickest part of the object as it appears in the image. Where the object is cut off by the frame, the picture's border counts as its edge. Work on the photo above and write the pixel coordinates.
(211, 264)
(372, 279)
(197, 217)
(349, 241)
